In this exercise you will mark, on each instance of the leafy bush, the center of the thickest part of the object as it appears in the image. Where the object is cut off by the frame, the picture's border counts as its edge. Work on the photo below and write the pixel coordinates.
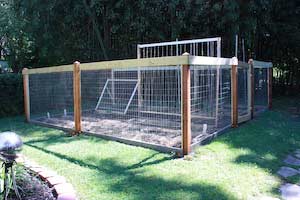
(11, 95)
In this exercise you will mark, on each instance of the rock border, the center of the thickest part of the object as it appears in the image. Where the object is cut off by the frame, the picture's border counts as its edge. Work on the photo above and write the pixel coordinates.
(61, 188)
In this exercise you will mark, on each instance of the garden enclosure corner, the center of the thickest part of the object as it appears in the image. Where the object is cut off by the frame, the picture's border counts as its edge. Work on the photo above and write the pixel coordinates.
(169, 103)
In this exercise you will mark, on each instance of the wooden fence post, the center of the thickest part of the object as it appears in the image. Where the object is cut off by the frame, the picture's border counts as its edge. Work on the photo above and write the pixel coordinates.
(270, 78)
(26, 94)
(250, 62)
(186, 108)
(77, 96)
(234, 92)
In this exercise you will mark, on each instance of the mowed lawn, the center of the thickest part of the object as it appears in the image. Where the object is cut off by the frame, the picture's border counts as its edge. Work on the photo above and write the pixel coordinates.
(240, 164)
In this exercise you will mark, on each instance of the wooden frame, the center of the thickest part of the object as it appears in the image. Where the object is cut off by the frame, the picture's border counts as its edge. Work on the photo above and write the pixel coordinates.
(234, 94)
(77, 97)
(186, 109)
(133, 63)
(26, 94)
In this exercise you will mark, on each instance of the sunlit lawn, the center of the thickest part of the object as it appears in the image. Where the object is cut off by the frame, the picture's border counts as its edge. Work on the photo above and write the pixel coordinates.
(241, 164)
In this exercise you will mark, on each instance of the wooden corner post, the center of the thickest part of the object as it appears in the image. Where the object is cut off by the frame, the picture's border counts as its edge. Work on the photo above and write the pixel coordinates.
(77, 96)
(270, 78)
(250, 62)
(186, 108)
(26, 94)
(234, 92)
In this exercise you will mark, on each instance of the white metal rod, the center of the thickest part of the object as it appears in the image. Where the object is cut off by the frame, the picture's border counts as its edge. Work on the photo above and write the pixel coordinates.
(113, 85)
(249, 89)
(217, 95)
(179, 42)
(243, 46)
(102, 93)
(236, 45)
(131, 97)
(219, 48)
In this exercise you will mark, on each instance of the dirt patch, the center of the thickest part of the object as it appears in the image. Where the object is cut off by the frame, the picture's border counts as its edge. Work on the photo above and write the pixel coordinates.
(159, 129)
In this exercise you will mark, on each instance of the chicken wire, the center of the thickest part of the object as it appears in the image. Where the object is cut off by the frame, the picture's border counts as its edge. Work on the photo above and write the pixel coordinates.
(260, 89)
(210, 100)
(141, 104)
(51, 98)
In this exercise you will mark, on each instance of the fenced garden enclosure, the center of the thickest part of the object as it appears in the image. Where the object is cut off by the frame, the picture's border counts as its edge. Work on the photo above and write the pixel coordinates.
(162, 100)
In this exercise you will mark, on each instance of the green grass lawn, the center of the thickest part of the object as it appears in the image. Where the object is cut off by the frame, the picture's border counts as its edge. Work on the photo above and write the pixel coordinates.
(241, 164)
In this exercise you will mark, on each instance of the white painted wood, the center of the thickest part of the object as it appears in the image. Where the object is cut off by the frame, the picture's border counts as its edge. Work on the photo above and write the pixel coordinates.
(204, 60)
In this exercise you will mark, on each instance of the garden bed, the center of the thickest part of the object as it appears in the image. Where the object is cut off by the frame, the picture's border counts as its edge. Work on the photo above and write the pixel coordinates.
(31, 187)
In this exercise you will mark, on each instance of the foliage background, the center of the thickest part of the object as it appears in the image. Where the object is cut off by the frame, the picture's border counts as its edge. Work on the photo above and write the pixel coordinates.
(11, 95)
(36, 33)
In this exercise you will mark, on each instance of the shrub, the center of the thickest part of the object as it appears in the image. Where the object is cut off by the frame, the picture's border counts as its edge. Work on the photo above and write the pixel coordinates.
(11, 95)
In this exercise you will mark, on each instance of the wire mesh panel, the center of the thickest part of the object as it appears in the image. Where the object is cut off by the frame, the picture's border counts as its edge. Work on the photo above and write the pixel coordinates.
(243, 91)
(260, 89)
(197, 47)
(210, 100)
(139, 104)
(224, 112)
(51, 98)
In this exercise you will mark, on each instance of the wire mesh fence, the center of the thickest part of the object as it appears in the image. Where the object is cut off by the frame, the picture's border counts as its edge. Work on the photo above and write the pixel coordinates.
(210, 100)
(118, 103)
(142, 99)
(260, 89)
(243, 90)
(51, 98)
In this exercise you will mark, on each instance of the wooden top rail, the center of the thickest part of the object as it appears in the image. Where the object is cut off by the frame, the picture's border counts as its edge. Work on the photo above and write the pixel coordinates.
(261, 64)
(45, 70)
(242, 64)
(131, 63)
(145, 62)
(214, 61)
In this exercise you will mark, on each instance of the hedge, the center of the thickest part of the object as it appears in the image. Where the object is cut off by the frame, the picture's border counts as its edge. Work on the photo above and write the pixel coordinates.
(11, 95)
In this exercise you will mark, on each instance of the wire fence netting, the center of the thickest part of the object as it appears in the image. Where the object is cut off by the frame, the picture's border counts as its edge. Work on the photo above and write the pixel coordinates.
(243, 91)
(260, 89)
(141, 104)
(210, 100)
(144, 103)
(51, 98)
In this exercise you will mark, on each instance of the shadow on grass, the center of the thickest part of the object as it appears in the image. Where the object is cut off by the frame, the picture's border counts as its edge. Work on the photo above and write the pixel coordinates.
(138, 186)
(269, 137)
(34, 133)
